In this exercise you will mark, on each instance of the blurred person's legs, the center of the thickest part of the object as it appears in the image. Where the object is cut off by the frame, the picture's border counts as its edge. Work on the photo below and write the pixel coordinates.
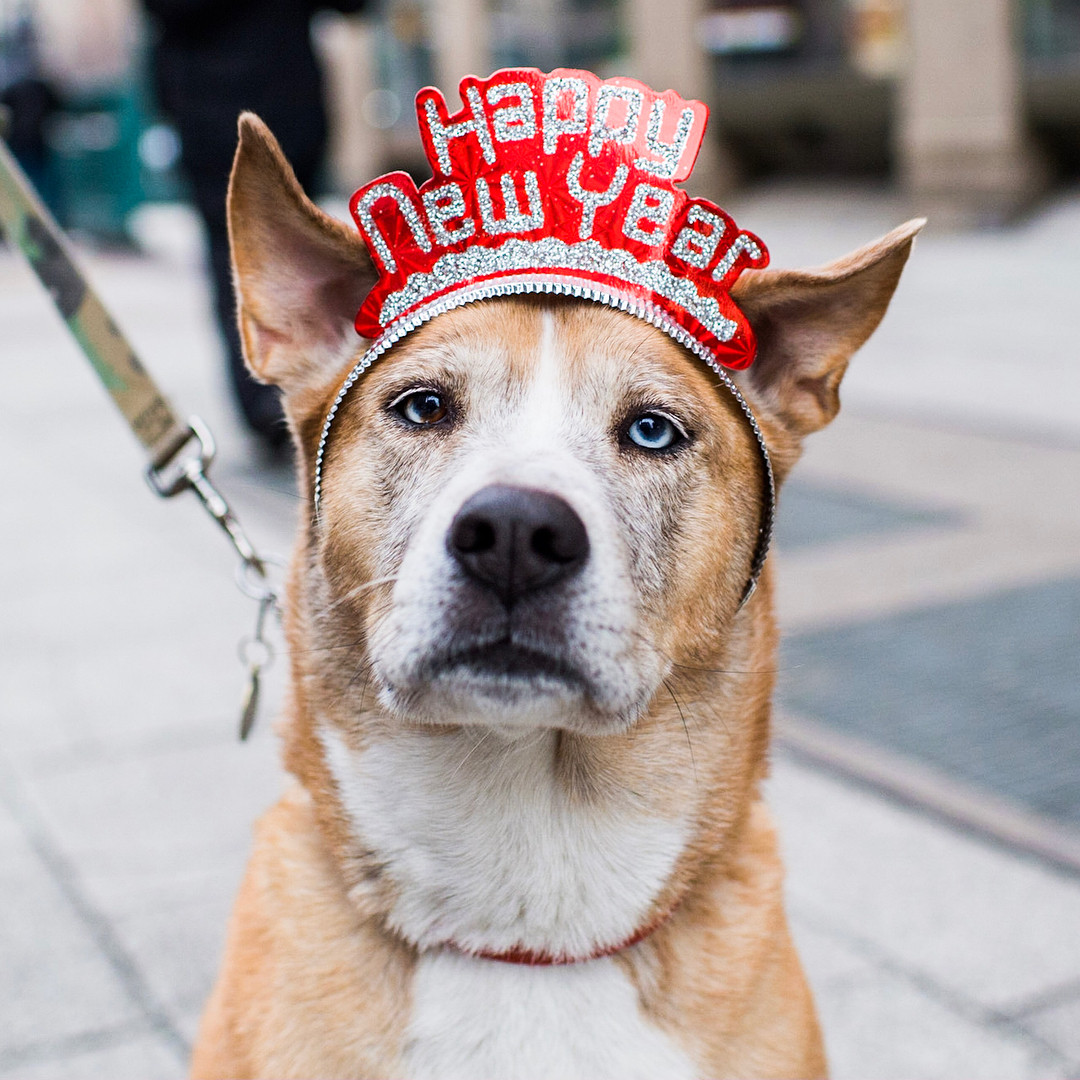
(212, 60)
(259, 404)
(29, 104)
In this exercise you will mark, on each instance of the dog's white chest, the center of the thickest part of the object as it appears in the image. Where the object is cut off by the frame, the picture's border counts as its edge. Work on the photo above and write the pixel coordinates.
(484, 1020)
(486, 852)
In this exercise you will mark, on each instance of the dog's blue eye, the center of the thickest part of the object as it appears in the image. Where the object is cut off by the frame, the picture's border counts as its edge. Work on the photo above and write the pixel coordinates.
(654, 431)
(423, 407)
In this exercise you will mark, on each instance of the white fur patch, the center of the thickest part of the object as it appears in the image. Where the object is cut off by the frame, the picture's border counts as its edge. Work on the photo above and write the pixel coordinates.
(487, 849)
(484, 1020)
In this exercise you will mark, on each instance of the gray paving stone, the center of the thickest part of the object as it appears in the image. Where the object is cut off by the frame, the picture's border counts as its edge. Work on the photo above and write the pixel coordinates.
(1060, 1025)
(941, 352)
(188, 1022)
(164, 829)
(142, 636)
(825, 960)
(881, 1024)
(179, 947)
(970, 917)
(1009, 481)
(112, 685)
(54, 980)
(137, 1057)
(157, 840)
(810, 514)
(986, 690)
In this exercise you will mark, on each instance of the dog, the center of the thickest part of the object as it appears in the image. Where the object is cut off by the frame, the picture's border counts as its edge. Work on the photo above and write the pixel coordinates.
(529, 707)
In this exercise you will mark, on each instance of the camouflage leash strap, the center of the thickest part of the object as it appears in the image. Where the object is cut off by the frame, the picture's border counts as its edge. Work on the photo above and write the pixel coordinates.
(180, 453)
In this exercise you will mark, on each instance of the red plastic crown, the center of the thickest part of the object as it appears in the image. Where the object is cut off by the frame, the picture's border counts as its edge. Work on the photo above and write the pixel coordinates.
(563, 183)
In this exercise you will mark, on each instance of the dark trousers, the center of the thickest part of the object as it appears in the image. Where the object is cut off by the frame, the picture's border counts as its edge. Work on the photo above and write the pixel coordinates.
(259, 404)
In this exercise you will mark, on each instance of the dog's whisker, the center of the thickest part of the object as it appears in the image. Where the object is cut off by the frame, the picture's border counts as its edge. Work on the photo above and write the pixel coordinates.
(726, 671)
(365, 670)
(364, 688)
(686, 730)
(332, 648)
(639, 635)
(358, 590)
(472, 750)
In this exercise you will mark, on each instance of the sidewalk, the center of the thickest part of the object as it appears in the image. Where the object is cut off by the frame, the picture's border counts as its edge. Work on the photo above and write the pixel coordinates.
(949, 479)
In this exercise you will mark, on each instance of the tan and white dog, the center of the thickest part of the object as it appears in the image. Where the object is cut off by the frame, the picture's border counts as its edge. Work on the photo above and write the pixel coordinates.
(528, 717)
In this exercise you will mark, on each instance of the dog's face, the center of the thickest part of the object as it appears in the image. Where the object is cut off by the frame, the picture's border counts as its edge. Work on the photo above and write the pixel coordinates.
(531, 510)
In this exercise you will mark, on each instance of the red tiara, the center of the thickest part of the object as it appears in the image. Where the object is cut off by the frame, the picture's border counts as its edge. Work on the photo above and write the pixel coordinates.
(562, 183)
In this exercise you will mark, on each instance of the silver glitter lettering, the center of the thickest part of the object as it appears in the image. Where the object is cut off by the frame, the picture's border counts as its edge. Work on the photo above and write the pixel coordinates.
(513, 122)
(693, 246)
(576, 123)
(591, 201)
(741, 243)
(650, 204)
(669, 153)
(408, 211)
(626, 132)
(441, 133)
(514, 219)
(443, 205)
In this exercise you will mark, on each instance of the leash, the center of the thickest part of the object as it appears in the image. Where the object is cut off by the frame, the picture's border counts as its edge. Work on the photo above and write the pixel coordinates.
(180, 453)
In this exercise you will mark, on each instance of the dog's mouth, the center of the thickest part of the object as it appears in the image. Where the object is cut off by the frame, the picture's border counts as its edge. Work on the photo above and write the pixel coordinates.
(506, 661)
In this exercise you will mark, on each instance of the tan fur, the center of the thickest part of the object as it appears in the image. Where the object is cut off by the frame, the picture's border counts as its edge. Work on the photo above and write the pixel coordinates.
(314, 982)
(303, 956)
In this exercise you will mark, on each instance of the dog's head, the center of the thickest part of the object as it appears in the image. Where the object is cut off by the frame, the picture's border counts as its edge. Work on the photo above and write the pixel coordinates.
(533, 511)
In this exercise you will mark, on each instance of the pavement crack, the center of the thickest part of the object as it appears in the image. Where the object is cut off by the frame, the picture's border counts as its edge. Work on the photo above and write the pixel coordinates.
(64, 875)
(67, 1046)
(1048, 999)
(959, 1004)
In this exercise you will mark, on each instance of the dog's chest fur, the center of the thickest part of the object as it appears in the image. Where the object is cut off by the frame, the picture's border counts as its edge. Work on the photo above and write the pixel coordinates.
(488, 850)
(474, 1018)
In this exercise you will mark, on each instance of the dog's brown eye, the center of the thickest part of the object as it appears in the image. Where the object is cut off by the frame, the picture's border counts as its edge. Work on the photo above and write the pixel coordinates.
(422, 407)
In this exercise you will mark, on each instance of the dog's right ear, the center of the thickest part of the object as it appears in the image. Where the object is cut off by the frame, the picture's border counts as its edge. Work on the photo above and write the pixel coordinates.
(301, 275)
(809, 322)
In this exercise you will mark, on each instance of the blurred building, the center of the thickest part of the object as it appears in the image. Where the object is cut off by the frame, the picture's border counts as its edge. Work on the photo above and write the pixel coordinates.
(971, 106)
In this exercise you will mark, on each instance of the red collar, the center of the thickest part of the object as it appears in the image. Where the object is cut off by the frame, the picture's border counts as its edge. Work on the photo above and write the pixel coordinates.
(539, 958)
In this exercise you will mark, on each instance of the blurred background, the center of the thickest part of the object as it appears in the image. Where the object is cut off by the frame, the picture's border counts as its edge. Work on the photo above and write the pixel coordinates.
(969, 106)
(927, 763)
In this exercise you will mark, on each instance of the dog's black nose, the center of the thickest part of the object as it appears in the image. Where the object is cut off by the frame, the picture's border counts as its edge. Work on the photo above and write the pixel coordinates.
(515, 540)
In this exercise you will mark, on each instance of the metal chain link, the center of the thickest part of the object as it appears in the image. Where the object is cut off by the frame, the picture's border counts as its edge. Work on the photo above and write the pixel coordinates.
(253, 571)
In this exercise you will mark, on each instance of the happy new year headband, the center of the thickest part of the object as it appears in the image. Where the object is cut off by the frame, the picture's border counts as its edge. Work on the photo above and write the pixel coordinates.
(559, 183)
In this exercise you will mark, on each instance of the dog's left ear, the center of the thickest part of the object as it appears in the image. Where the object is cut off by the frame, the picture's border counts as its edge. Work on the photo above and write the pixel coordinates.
(808, 324)
(301, 275)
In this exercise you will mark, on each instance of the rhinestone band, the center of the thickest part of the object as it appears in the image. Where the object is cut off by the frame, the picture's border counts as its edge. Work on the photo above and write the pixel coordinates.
(551, 253)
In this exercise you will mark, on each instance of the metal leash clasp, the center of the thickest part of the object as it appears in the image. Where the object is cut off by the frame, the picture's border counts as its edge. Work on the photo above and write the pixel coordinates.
(172, 477)
(176, 474)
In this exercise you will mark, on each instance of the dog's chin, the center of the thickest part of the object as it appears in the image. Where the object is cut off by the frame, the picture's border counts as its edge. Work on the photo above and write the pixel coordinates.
(502, 686)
